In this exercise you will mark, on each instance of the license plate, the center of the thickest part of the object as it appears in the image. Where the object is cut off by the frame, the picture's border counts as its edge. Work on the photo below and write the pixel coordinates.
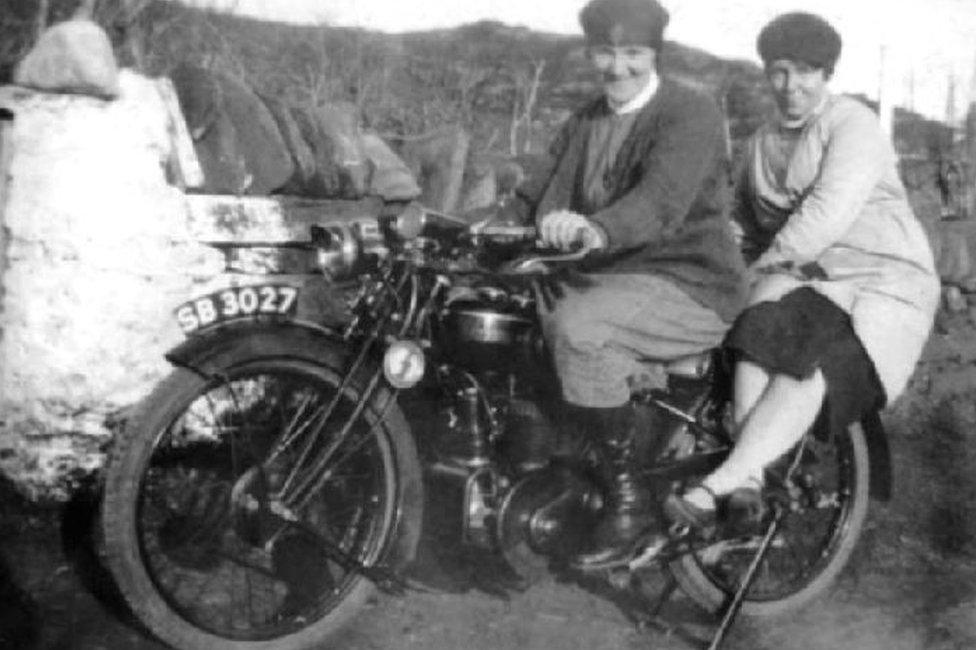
(236, 302)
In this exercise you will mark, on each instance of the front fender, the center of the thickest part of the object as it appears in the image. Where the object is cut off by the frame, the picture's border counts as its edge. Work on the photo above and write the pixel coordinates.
(211, 353)
(202, 352)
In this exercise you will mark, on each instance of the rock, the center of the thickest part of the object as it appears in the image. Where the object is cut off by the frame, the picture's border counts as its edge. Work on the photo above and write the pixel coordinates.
(259, 141)
(199, 97)
(392, 179)
(74, 56)
(223, 163)
(237, 139)
(325, 181)
(212, 131)
(342, 166)
(955, 301)
(301, 153)
(340, 124)
(438, 163)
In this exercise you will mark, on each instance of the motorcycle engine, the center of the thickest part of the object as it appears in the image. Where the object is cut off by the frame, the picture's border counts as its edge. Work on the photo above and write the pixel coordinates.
(489, 329)
(491, 336)
(501, 430)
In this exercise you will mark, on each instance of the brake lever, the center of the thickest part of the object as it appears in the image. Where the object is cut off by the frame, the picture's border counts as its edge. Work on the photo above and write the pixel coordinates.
(541, 262)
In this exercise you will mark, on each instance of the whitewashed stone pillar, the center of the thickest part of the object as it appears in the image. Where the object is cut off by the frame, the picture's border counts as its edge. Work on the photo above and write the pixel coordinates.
(97, 250)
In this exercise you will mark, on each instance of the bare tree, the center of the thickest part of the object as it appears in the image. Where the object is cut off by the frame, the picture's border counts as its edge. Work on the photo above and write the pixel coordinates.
(470, 80)
(314, 82)
(526, 94)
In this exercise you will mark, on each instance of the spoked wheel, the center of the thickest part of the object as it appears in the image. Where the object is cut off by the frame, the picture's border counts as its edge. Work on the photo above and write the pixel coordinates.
(244, 511)
(825, 512)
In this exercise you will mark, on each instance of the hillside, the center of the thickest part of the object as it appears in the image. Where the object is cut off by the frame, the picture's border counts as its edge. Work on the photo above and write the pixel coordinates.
(479, 75)
(508, 87)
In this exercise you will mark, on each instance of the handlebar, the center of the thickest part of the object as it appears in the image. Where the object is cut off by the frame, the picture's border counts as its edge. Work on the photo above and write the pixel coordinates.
(538, 261)
(540, 264)
(341, 247)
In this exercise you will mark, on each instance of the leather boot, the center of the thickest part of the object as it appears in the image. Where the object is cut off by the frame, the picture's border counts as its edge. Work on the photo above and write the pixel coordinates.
(628, 512)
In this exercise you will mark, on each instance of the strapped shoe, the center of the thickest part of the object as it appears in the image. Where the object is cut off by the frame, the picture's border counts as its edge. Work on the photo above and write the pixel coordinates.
(684, 513)
(742, 511)
(745, 509)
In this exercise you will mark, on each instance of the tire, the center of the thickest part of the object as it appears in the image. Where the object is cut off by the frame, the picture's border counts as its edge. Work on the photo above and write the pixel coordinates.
(189, 530)
(709, 576)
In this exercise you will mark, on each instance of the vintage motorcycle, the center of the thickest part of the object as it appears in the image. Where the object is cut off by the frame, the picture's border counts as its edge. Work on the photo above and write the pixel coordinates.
(276, 478)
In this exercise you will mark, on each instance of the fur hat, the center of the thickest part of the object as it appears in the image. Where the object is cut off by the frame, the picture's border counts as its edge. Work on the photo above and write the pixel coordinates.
(800, 36)
(624, 22)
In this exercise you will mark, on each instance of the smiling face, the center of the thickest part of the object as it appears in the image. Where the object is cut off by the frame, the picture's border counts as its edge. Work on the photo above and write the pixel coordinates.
(624, 70)
(798, 87)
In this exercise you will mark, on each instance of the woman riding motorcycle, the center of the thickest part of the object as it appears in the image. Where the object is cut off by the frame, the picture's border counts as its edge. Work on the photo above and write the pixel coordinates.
(639, 175)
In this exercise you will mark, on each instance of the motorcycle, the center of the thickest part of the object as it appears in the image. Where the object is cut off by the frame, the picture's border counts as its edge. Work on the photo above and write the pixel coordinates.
(265, 489)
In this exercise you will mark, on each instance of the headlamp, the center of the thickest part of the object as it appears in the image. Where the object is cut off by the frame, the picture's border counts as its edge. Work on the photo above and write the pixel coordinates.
(404, 364)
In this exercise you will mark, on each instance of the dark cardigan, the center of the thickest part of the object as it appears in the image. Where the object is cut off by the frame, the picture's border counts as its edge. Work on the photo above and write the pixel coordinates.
(667, 196)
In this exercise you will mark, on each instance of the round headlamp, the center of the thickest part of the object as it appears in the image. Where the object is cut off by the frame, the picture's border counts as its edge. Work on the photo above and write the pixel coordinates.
(338, 249)
(404, 364)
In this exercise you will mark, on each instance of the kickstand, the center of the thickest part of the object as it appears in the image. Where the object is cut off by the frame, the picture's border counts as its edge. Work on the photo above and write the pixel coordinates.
(779, 510)
(736, 604)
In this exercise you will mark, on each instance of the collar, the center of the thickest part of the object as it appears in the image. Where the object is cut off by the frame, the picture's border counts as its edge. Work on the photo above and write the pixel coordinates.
(639, 101)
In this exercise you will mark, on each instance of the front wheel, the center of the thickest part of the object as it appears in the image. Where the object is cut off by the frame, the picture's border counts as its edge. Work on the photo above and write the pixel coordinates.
(815, 540)
(240, 510)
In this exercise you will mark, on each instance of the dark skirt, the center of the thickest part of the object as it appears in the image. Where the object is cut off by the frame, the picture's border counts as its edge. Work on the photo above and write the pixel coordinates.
(804, 331)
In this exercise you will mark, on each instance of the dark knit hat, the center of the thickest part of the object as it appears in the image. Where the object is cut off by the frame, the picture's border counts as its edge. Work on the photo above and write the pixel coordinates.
(800, 36)
(624, 22)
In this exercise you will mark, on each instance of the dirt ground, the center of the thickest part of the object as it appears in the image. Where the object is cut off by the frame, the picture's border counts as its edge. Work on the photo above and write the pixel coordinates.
(911, 584)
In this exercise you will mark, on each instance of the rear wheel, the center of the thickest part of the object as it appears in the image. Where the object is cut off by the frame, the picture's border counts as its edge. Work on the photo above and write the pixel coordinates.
(217, 529)
(828, 506)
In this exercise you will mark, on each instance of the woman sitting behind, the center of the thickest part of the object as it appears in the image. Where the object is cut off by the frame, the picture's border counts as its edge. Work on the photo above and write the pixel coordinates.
(844, 289)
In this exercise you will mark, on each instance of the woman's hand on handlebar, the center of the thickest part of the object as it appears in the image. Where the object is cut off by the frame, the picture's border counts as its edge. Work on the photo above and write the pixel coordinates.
(566, 230)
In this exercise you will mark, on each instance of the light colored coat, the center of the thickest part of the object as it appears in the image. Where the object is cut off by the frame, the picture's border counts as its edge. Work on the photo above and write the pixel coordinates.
(840, 203)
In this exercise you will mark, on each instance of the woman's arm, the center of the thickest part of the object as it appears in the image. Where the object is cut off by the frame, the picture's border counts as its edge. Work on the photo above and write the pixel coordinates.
(854, 160)
(683, 155)
(752, 239)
